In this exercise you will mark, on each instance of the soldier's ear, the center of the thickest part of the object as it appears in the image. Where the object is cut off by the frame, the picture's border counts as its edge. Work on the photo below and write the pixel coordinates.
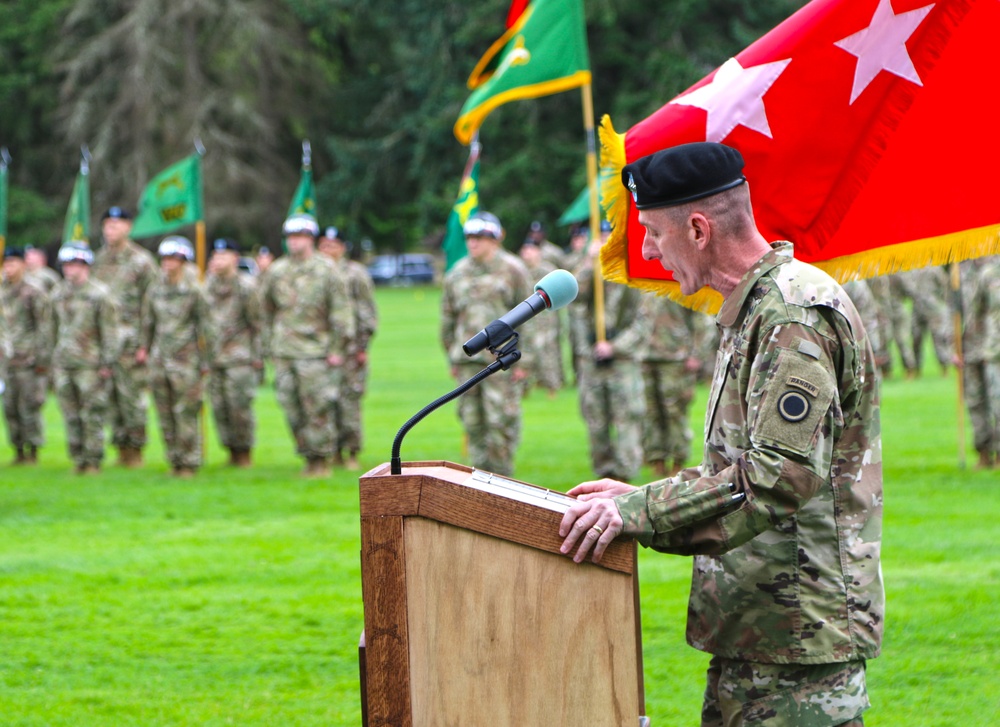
(699, 230)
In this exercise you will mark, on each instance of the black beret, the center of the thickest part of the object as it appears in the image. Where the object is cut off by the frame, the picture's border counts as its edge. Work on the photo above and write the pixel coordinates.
(225, 243)
(9, 252)
(683, 174)
(117, 213)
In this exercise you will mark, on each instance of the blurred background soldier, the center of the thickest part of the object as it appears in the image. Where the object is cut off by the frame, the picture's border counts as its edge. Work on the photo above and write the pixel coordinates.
(928, 289)
(610, 379)
(28, 330)
(479, 288)
(670, 366)
(551, 252)
(128, 270)
(38, 270)
(238, 360)
(308, 329)
(542, 336)
(981, 356)
(894, 322)
(176, 328)
(861, 294)
(87, 345)
(347, 412)
(264, 258)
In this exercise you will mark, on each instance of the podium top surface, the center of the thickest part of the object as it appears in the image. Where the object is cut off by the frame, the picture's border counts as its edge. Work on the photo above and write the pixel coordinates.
(480, 501)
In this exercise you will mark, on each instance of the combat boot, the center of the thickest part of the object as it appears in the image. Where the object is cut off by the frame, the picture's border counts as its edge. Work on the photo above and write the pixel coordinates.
(659, 468)
(241, 458)
(338, 458)
(133, 457)
(985, 460)
(184, 473)
(352, 461)
(31, 456)
(19, 458)
(317, 467)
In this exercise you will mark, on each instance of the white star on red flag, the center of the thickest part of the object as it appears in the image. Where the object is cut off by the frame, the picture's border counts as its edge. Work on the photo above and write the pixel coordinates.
(882, 46)
(735, 97)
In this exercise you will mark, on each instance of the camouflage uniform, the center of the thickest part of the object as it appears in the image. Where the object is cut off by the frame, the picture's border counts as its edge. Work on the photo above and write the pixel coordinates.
(45, 278)
(28, 329)
(612, 400)
(474, 294)
(542, 336)
(308, 316)
(87, 338)
(128, 273)
(981, 357)
(784, 515)
(678, 334)
(234, 307)
(928, 288)
(175, 322)
(552, 254)
(348, 423)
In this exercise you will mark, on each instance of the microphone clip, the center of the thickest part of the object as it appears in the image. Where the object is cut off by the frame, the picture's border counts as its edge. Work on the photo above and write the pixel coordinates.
(507, 355)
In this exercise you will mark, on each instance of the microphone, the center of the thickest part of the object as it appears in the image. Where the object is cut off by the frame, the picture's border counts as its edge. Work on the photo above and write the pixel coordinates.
(556, 290)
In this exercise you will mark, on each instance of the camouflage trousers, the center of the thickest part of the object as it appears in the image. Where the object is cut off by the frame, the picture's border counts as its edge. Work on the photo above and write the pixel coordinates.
(932, 321)
(128, 402)
(177, 390)
(84, 399)
(666, 432)
(347, 408)
(307, 390)
(981, 386)
(232, 391)
(613, 405)
(784, 695)
(491, 416)
(23, 398)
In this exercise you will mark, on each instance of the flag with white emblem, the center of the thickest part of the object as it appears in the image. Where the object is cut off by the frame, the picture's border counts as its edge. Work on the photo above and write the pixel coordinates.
(866, 127)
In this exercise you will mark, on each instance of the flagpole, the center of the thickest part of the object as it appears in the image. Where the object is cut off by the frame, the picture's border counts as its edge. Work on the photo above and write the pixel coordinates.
(201, 262)
(956, 289)
(4, 163)
(595, 207)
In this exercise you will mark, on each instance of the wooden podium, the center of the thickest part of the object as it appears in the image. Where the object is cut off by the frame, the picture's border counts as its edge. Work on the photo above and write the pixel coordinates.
(473, 617)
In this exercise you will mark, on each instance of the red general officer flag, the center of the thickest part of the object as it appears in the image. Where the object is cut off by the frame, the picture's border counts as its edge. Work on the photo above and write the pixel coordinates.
(867, 127)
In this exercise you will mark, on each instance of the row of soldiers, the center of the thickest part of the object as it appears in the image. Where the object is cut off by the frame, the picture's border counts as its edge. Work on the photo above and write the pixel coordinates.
(123, 321)
(637, 381)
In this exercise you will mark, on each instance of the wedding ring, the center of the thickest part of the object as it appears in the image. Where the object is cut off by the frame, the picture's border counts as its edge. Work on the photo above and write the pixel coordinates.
(599, 530)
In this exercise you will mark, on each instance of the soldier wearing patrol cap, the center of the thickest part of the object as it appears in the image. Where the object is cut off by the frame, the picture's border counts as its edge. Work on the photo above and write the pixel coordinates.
(128, 270)
(177, 341)
(479, 288)
(88, 343)
(239, 357)
(27, 319)
(347, 412)
(308, 332)
(783, 516)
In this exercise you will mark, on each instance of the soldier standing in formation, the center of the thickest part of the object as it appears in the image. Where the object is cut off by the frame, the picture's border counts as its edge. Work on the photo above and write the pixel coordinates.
(981, 356)
(239, 359)
(309, 327)
(610, 378)
(928, 289)
(176, 329)
(542, 336)
(479, 288)
(27, 316)
(670, 366)
(347, 413)
(87, 345)
(551, 252)
(128, 270)
(38, 270)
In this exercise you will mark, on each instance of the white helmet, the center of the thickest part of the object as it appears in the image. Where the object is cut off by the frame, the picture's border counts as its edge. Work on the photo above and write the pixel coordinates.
(176, 246)
(300, 224)
(76, 251)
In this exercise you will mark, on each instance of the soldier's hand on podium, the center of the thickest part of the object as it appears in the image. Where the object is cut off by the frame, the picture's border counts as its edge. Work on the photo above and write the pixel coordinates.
(594, 521)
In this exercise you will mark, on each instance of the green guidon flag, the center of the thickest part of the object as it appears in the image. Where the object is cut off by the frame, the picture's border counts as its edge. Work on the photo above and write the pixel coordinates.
(304, 199)
(77, 224)
(543, 52)
(171, 200)
(466, 204)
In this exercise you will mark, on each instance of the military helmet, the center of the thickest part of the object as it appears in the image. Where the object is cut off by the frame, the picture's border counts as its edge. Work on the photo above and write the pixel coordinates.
(300, 225)
(76, 251)
(176, 246)
(483, 224)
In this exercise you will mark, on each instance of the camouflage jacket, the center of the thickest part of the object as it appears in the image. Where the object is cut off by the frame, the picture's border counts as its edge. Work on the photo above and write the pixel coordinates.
(784, 515)
(476, 293)
(128, 274)
(44, 277)
(359, 285)
(234, 308)
(176, 325)
(678, 333)
(981, 336)
(27, 326)
(307, 310)
(86, 328)
(626, 325)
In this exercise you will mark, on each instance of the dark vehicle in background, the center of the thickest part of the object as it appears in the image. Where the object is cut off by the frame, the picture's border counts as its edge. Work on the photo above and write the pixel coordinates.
(402, 269)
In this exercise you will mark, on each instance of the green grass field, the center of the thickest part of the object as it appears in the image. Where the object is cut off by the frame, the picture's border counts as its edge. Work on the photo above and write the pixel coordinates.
(133, 598)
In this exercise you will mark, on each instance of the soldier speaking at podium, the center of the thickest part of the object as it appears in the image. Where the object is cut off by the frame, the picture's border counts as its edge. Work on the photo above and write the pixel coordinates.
(784, 515)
